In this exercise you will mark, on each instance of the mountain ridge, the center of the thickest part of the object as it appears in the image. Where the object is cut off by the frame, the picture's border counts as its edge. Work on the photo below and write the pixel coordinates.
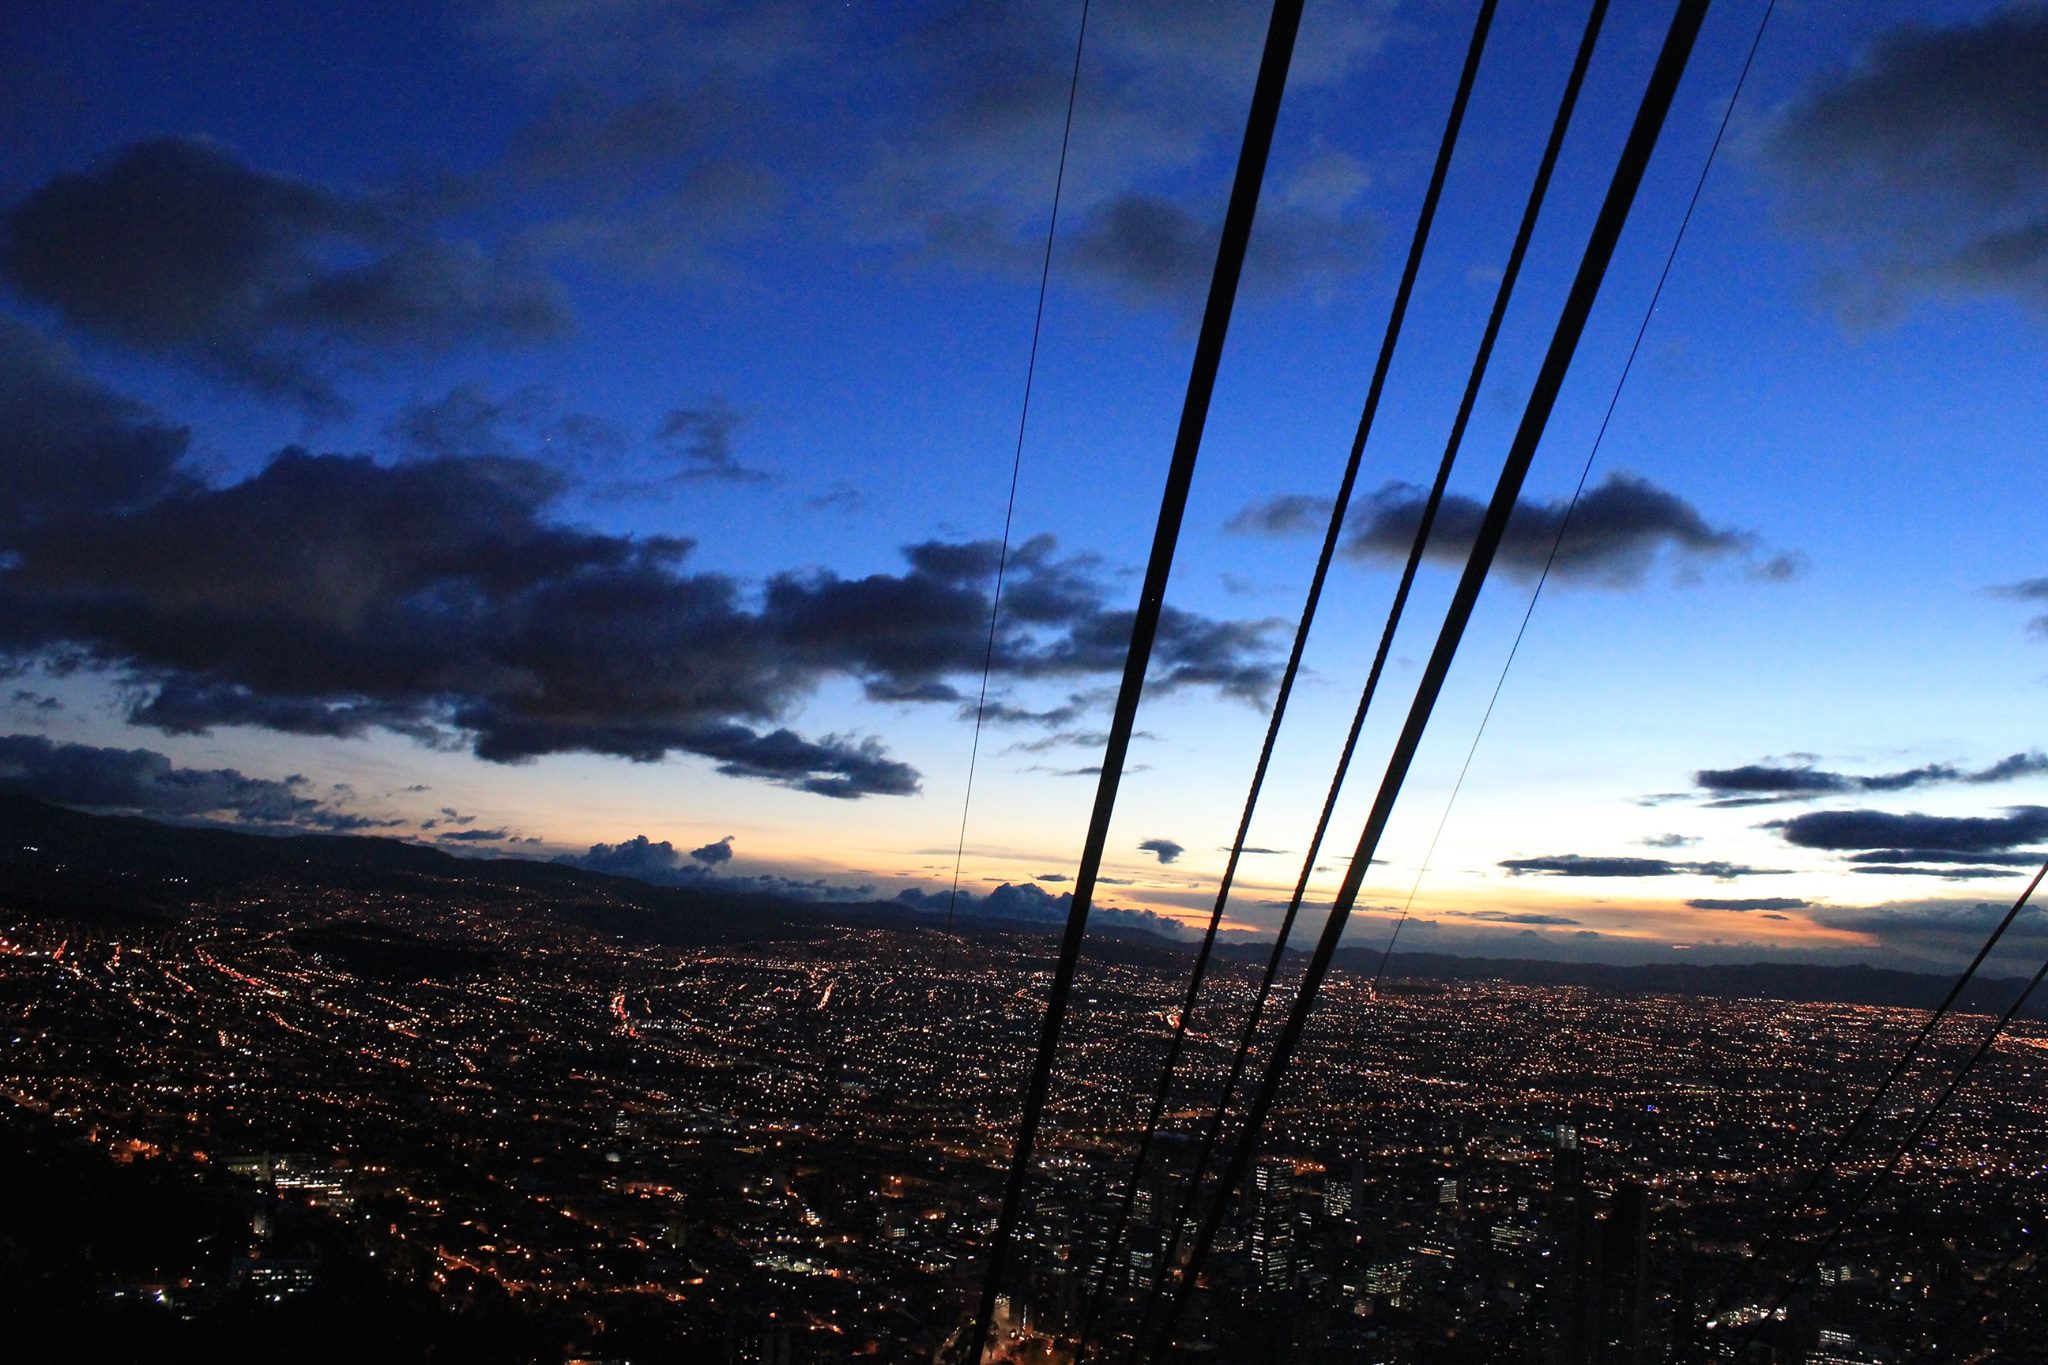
(57, 861)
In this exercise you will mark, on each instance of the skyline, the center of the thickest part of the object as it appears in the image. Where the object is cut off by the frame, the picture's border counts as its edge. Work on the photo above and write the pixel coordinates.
(462, 274)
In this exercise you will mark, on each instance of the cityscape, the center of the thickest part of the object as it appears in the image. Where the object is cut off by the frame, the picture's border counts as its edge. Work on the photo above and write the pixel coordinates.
(1024, 682)
(534, 1139)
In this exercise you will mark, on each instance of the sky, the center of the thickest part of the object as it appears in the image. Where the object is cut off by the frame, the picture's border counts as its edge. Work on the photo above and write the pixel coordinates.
(584, 430)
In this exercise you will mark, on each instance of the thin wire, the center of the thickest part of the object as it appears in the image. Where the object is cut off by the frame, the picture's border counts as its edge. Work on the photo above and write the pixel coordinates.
(1974, 1311)
(1260, 122)
(1510, 274)
(1339, 509)
(1614, 211)
(1824, 1172)
(1912, 1137)
(995, 606)
(1578, 492)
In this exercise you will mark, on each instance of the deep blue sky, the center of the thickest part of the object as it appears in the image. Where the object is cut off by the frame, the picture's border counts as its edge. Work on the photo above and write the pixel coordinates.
(534, 293)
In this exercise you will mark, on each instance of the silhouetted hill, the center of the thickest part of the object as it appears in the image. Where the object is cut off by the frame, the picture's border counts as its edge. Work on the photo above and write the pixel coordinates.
(127, 868)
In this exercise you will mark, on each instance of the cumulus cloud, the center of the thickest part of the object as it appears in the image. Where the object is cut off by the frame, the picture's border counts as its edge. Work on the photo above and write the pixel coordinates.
(1926, 162)
(174, 248)
(638, 857)
(145, 782)
(1024, 901)
(1575, 865)
(1764, 783)
(1617, 534)
(1166, 850)
(661, 864)
(715, 853)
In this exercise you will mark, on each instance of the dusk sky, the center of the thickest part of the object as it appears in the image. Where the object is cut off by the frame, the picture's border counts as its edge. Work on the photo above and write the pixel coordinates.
(531, 427)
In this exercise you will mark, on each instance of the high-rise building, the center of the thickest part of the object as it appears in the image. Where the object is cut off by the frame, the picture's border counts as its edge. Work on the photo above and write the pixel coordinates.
(1621, 1277)
(1272, 1231)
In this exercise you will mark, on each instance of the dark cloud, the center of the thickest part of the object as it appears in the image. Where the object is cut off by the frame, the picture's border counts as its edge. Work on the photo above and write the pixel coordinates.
(1935, 855)
(1009, 901)
(1146, 244)
(1024, 901)
(1761, 779)
(1750, 903)
(1927, 161)
(1152, 249)
(1946, 873)
(2028, 590)
(901, 634)
(35, 701)
(1253, 849)
(664, 134)
(1616, 534)
(1934, 926)
(1761, 783)
(175, 248)
(842, 497)
(699, 442)
(1575, 865)
(677, 129)
(1287, 515)
(1517, 917)
(1166, 850)
(67, 445)
(1669, 841)
(638, 857)
(144, 782)
(468, 423)
(660, 863)
(1163, 89)
(1955, 848)
(1062, 739)
(190, 706)
(714, 853)
(443, 598)
(836, 766)
(1004, 713)
(476, 836)
(1839, 830)
(1054, 877)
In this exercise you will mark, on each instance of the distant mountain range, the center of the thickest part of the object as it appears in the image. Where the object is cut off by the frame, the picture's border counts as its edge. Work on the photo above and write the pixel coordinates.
(58, 861)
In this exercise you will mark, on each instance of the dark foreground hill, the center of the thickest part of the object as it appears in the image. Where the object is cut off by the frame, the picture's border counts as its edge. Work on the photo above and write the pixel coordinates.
(123, 868)
(130, 868)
